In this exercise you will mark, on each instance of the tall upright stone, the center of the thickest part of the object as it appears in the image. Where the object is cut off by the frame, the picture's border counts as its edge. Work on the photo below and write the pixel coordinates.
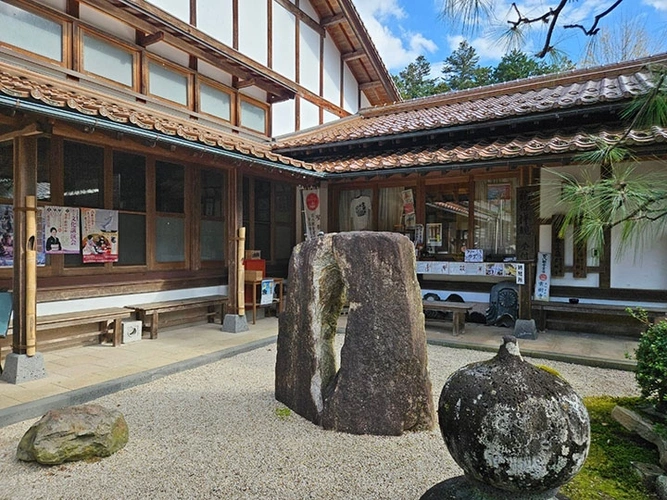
(382, 386)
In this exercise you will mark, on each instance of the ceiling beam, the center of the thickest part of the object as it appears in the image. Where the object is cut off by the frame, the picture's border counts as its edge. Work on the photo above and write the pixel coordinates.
(328, 22)
(370, 85)
(146, 40)
(357, 54)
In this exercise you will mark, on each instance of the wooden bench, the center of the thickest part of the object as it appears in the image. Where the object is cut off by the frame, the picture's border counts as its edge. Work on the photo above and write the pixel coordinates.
(457, 309)
(108, 327)
(149, 314)
(593, 310)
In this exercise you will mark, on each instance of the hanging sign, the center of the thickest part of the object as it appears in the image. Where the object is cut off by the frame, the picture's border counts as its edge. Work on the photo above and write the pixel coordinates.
(543, 276)
(311, 210)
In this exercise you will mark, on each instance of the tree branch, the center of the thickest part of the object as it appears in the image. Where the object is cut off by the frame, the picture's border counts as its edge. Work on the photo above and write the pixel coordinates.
(594, 28)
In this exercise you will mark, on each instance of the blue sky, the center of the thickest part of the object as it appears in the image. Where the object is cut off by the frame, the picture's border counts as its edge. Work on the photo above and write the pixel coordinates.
(405, 29)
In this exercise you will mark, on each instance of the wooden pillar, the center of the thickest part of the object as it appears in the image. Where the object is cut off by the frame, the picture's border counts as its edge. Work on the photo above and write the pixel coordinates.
(24, 285)
(234, 222)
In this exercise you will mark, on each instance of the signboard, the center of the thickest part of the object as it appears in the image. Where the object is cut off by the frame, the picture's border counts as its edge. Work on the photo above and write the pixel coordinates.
(543, 276)
(311, 211)
(266, 296)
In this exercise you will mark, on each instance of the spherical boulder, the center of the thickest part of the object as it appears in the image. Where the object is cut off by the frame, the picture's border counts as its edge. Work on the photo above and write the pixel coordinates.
(512, 426)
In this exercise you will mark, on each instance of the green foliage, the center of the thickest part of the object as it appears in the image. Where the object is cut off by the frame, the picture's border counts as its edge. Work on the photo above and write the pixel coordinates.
(462, 70)
(516, 64)
(414, 80)
(607, 473)
(651, 373)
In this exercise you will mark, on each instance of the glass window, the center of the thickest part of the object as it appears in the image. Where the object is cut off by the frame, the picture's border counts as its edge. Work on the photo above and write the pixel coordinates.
(84, 179)
(170, 239)
(283, 221)
(215, 102)
(495, 218)
(170, 187)
(43, 169)
(263, 218)
(447, 210)
(107, 60)
(132, 239)
(390, 208)
(253, 116)
(168, 84)
(31, 32)
(212, 240)
(212, 188)
(7, 170)
(129, 182)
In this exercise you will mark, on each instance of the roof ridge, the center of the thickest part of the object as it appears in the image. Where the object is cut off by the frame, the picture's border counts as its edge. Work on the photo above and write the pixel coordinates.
(515, 86)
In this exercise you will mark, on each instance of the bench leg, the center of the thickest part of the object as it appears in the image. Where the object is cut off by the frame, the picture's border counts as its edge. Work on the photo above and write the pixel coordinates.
(117, 332)
(459, 319)
(153, 329)
(210, 317)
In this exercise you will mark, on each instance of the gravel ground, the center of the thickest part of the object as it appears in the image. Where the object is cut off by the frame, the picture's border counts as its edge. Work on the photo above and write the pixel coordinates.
(213, 432)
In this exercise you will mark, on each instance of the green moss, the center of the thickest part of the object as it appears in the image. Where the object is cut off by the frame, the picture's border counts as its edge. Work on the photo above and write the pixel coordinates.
(608, 473)
(548, 369)
(283, 413)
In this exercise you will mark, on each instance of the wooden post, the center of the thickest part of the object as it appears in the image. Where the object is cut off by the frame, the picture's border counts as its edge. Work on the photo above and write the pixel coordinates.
(30, 275)
(240, 271)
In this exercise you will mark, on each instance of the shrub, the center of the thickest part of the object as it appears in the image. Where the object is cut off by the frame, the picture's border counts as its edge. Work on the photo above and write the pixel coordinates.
(651, 355)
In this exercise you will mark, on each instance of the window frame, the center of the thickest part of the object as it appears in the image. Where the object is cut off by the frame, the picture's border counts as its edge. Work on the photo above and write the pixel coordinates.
(255, 102)
(82, 31)
(202, 80)
(189, 74)
(66, 39)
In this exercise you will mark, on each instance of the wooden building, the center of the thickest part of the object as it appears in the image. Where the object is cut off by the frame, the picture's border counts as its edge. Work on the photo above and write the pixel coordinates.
(185, 120)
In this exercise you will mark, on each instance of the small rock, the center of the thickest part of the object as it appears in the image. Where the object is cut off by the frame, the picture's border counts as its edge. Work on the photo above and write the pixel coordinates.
(648, 473)
(74, 433)
(634, 422)
(661, 487)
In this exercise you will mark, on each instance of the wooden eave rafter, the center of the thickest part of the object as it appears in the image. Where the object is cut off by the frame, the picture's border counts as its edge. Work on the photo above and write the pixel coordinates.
(329, 21)
(356, 54)
(151, 20)
(302, 16)
(146, 40)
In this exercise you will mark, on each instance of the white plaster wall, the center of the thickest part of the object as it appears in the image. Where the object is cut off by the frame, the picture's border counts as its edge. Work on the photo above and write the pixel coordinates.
(331, 71)
(329, 117)
(308, 9)
(214, 73)
(365, 103)
(67, 306)
(641, 266)
(284, 42)
(255, 93)
(107, 23)
(170, 53)
(310, 114)
(309, 63)
(253, 30)
(215, 18)
(283, 116)
(177, 8)
(550, 186)
(350, 91)
(60, 5)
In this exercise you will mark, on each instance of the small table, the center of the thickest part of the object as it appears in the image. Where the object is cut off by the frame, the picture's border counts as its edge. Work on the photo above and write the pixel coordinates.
(257, 283)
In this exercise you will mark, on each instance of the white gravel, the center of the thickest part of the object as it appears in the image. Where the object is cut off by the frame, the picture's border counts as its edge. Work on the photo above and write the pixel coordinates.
(213, 432)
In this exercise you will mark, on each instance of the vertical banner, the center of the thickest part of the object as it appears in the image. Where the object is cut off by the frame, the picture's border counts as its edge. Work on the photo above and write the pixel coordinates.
(543, 276)
(61, 230)
(311, 211)
(99, 235)
(6, 235)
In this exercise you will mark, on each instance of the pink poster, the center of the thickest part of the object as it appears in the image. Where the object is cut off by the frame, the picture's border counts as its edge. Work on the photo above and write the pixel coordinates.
(99, 235)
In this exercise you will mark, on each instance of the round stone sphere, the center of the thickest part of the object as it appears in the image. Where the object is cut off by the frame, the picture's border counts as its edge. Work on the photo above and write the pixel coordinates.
(513, 426)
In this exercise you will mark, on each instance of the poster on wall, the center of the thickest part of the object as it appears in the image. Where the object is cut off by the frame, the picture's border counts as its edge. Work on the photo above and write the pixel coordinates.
(311, 211)
(434, 235)
(268, 287)
(61, 229)
(543, 276)
(409, 216)
(7, 237)
(99, 235)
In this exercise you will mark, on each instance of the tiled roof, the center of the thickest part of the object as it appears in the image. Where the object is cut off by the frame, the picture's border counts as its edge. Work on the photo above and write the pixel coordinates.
(526, 97)
(52, 92)
(505, 149)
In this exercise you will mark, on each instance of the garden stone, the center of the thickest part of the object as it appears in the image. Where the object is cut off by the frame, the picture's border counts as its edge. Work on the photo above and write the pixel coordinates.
(74, 433)
(661, 487)
(517, 431)
(634, 422)
(382, 386)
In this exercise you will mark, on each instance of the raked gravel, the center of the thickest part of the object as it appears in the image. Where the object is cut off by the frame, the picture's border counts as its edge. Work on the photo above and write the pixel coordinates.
(213, 432)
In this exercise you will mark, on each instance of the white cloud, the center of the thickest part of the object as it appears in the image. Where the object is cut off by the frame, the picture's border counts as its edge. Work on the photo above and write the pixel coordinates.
(396, 46)
(656, 4)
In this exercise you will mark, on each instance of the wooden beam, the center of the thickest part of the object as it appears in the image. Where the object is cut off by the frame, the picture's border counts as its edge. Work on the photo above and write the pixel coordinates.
(328, 22)
(241, 84)
(301, 15)
(370, 85)
(32, 129)
(349, 56)
(146, 40)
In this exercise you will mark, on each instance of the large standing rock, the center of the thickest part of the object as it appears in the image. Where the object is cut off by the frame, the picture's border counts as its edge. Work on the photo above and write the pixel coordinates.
(382, 386)
(74, 433)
